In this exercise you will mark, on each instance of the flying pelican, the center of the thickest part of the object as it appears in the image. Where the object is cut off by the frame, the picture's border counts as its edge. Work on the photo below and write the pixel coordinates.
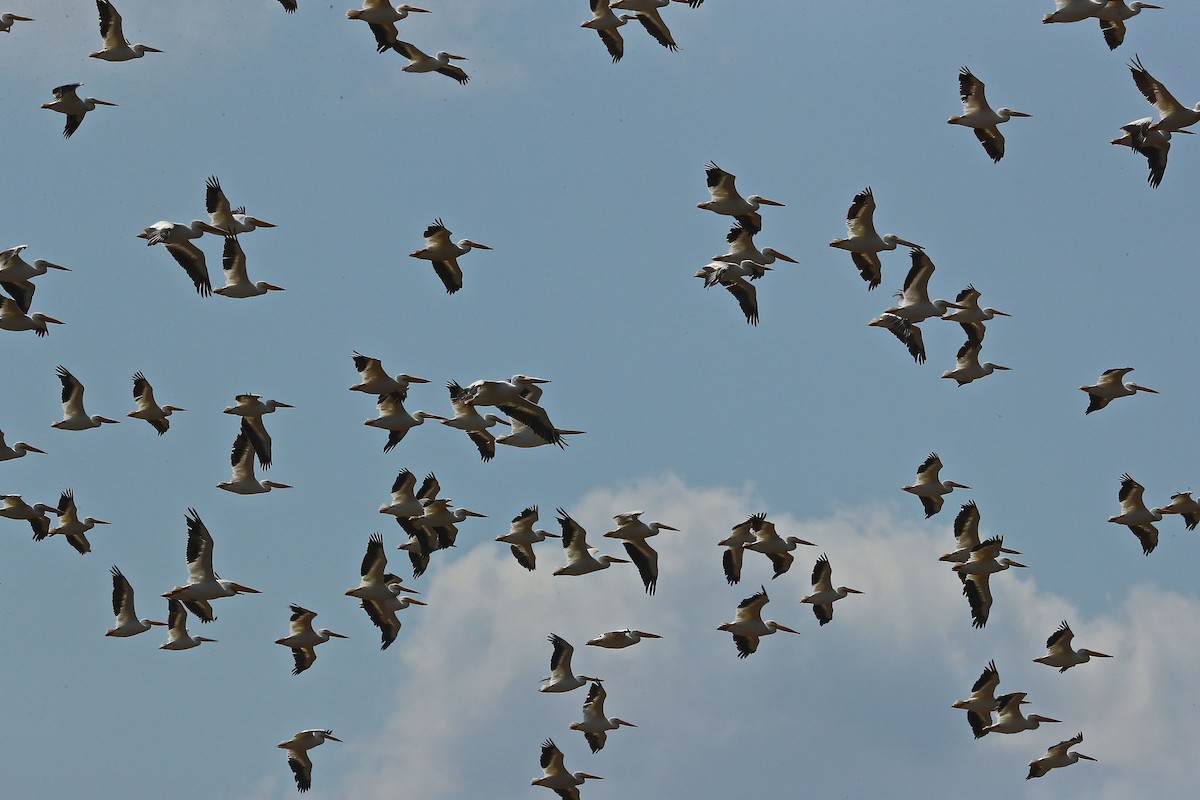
(440, 521)
(116, 46)
(907, 332)
(1182, 503)
(444, 253)
(237, 282)
(561, 678)
(966, 535)
(615, 640)
(1153, 145)
(405, 501)
(646, 12)
(241, 458)
(375, 583)
(595, 726)
(970, 315)
(176, 237)
(203, 584)
(864, 243)
(732, 277)
(16, 275)
(67, 102)
(581, 559)
(982, 702)
(1172, 115)
(127, 623)
(13, 507)
(382, 18)
(634, 533)
(468, 420)
(419, 61)
(521, 538)
(726, 200)
(303, 640)
(1009, 718)
(523, 436)
(376, 381)
(382, 613)
(978, 115)
(1073, 11)
(395, 419)
(775, 547)
(7, 20)
(250, 407)
(149, 410)
(512, 398)
(739, 537)
(70, 526)
(928, 486)
(230, 221)
(748, 627)
(985, 560)
(177, 637)
(554, 774)
(915, 305)
(1057, 756)
(1112, 16)
(1059, 653)
(605, 23)
(967, 366)
(75, 418)
(1135, 515)
(1108, 387)
(298, 746)
(742, 248)
(13, 319)
(824, 595)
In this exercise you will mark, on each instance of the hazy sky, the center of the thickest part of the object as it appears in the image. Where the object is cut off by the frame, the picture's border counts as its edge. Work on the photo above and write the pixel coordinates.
(583, 175)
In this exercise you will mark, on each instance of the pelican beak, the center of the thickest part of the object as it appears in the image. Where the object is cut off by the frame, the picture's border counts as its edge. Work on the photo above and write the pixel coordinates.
(623, 722)
(100, 522)
(589, 777)
(854, 591)
(785, 628)
(458, 58)
(997, 366)
(151, 49)
(958, 485)
(1010, 551)
(60, 322)
(274, 485)
(1012, 563)
(174, 408)
(615, 560)
(479, 246)
(143, 235)
(337, 635)
(645, 635)
(1001, 313)
(666, 527)
(909, 244)
(764, 201)
(33, 449)
(1081, 755)
(417, 602)
(474, 514)
(155, 622)
(55, 266)
(106, 103)
(1094, 654)
(1134, 385)
(412, 379)
(272, 287)
(423, 11)
(333, 738)
(283, 405)
(1018, 114)
(788, 259)
(237, 587)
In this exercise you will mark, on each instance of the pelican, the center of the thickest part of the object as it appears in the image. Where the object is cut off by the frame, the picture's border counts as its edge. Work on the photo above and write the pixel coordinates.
(1112, 16)
(251, 408)
(237, 282)
(468, 420)
(7, 20)
(741, 535)
(969, 315)
(440, 521)
(555, 776)
(1108, 387)
(382, 612)
(966, 535)
(732, 277)
(395, 419)
(512, 398)
(303, 640)
(177, 637)
(982, 702)
(967, 366)
(116, 46)
(824, 595)
(241, 458)
(230, 221)
(13, 319)
(419, 61)
(176, 237)
(915, 305)
(581, 559)
(646, 12)
(375, 583)
(907, 332)
(444, 253)
(1009, 718)
(382, 18)
(149, 410)
(615, 640)
(561, 678)
(521, 435)
(1151, 144)
(1172, 115)
(605, 23)
(775, 547)
(1182, 503)
(298, 746)
(748, 627)
(71, 526)
(75, 418)
(985, 560)
(742, 248)
(1057, 755)
(634, 532)
(928, 486)
(252, 405)
(16, 275)
(521, 538)
(1059, 653)
(726, 200)
(376, 381)
(13, 507)
(127, 623)
(203, 584)
(405, 501)
(1135, 515)
(864, 243)
(595, 726)
(67, 102)
(978, 115)
(1073, 11)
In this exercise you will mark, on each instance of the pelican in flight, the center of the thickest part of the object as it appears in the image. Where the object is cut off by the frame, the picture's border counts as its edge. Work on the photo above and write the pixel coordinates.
(303, 640)
(517, 398)
(521, 435)
(298, 746)
(251, 408)
(775, 547)
(915, 305)
(929, 487)
(382, 17)
(1151, 144)
(1135, 516)
(75, 418)
(982, 702)
(634, 533)
(1057, 755)
(13, 507)
(468, 420)
(742, 248)
(726, 200)
(395, 419)
(615, 640)
(16, 277)
(555, 776)
(595, 725)
(376, 381)
(748, 626)
(13, 319)
(966, 535)
(979, 116)
(606, 23)
(1113, 15)
(735, 543)
(405, 501)
(581, 559)
(1059, 653)
(203, 584)
(375, 583)
(907, 332)
(561, 678)
(824, 595)
(985, 559)
(1073, 11)
(67, 102)
(968, 314)
(733, 278)
(863, 242)
(1173, 116)
(646, 12)
(177, 238)
(241, 458)
(127, 623)
(7, 20)
(237, 282)
(149, 410)
(521, 538)
(1009, 718)
(441, 522)
(116, 46)
(419, 61)
(1182, 503)
(1109, 387)
(177, 635)
(18, 450)
(444, 253)
(382, 613)
(230, 221)
(967, 367)
(71, 526)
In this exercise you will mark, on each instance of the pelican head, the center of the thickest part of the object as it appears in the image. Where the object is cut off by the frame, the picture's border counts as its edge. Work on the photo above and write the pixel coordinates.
(893, 240)
(27, 448)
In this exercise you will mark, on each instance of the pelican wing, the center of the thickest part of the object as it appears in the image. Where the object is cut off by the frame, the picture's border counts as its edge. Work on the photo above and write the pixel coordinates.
(613, 42)
(646, 558)
(450, 274)
(260, 440)
(747, 297)
(191, 258)
(652, 21)
(122, 598)
(907, 332)
(22, 292)
(916, 282)
(1152, 89)
(979, 596)
(72, 392)
(299, 761)
(1114, 32)
(233, 261)
(860, 219)
(199, 550)
(971, 90)
(966, 526)
(822, 575)
(1060, 640)
(110, 25)
(384, 618)
(992, 140)
(870, 267)
(524, 555)
(374, 562)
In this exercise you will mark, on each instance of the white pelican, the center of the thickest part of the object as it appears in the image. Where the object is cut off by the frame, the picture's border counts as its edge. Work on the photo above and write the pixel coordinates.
(116, 46)
(1173, 116)
(595, 726)
(966, 535)
(468, 420)
(984, 560)
(1057, 755)
(1151, 144)
(1135, 515)
(1112, 16)
(581, 559)
(13, 319)
(742, 248)
(382, 18)
(444, 253)
(907, 332)
(298, 746)
(748, 626)
(513, 398)
(13, 507)
(7, 20)
(1108, 387)
(16, 275)
(1009, 718)
(733, 278)
(176, 237)
(929, 487)
(303, 640)
(382, 612)
(967, 366)
(405, 501)
(1073, 11)
(376, 381)
(561, 678)
(441, 522)
(726, 200)
(634, 532)
(980, 117)
(241, 458)
(177, 636)
(864, 243)
(915, 305)
(521, 435)
(615, 640)
(375, 583)
(71, 526)
(228, 220)
(646, 12)
(75, 418)
(982, 702)
(395, 419)
(203, 584)
(419, 61)
(127, 623)
(1059, 653)
(555, 776)
(824, 595)
(250, 407)
(237, 281)
(67, 102)
(741, 535)
(149, 410)
(1182, 503)
(605, 23)
(779, 550)
(969, 315)
(521, 538)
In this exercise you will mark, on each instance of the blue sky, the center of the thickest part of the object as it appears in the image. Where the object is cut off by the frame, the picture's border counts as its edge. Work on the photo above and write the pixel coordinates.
(583, 176)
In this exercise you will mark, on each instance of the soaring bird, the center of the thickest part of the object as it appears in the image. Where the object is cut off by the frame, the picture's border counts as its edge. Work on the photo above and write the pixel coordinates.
(1135, 516)
(1057, 755)
(7, 20)
(75, 418)
(733, 278)
(1113, 15)
(406, 498)
(13, 507)
(178, 637)
(966, 535)
(748, 626)
(517, 397)
(1009, 718)
(982, 702)
(419, 61)
(203, 583)
(127, 623)
(471, 422)
(615, 640)
(177, 238)
(915, 305)
(555, 776)
(147, 408)
(1073, 11)
(1151, 144)
(230, 221)
(1059, 653)
(929, 487)
(605, 23)
(1173, 116)
(241, 459)
(376, 381)
(824, 595)
(726, 200)
(12, 318)
(969, 315)
(251, 408)
(777, 549)
(382, 17)
(742, 248)
(521, 537)
(735, 543)
(906, 331)
(71, 526)
(561, 678)
(595, 725)
(967, 367)
(375, 583)
(979, 116)
(863, 242)
(382, 612)
(16, 278)
(1182, 503)
(303, 640)
(237, 280)
(646, 12)
(444, 254)
(116, 46)
(395, 419)
(1109, 387)
(67, 102)
(298, 746)
(581, 559)
(634, 533)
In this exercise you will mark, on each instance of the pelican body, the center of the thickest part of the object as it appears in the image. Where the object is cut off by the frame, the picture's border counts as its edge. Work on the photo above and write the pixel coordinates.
(1173, 115)
(203, 584)
(967, 366)
(980, 117)
(67, 102)
(177, 238)
(615, 640)
(726, 200)
(13, 507)
(230, 221)
(303, 640)
(395, 419)
(237, 280)
(521, 538)
(1182, 503)
(1113, 16)
(1009, 718)
(1109, 387)
(595, 725)
(147, 408)
(1057, 755)
(982, 702)
(742, 248)
(116, 46)
(376, 381)
(748, 627)
(561, 678)
(1135, 516)
(824, 594)
(605, 23)
(929, 487)
(581, 559)
(298, 746)
(444, 253)
(863, 243)
(178, 637)
(241, 459)
(71, 526)
(12, 318)
(1059, 653)
(555, 776)
(127, 622)
(382, 17)
(419, 61)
